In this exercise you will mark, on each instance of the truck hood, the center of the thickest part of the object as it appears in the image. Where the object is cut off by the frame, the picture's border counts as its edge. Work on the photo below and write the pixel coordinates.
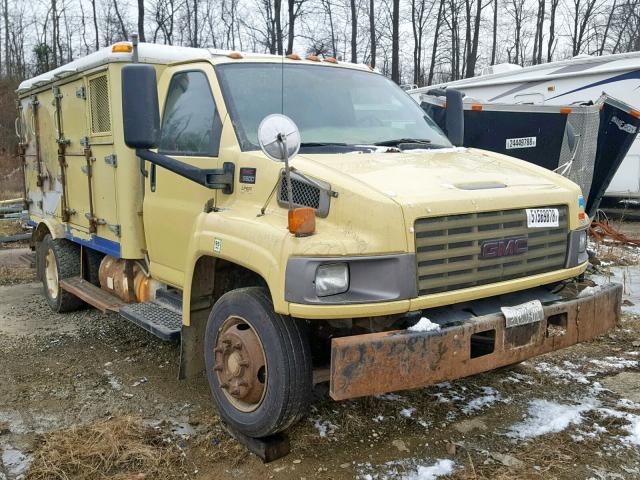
(451, 180)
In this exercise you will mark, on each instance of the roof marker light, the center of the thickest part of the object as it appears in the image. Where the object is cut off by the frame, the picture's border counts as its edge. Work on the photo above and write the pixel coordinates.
(293, 56)
(565, 111)
(476, 107)
(313, 58)
(331, 60)
(235, 55)
(122, 48)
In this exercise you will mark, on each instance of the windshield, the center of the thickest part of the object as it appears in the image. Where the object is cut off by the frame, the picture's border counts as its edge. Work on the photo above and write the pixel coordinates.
(336, 107)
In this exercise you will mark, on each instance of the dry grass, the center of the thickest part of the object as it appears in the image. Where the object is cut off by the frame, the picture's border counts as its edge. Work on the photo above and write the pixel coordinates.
(11, 178)
(119, 448)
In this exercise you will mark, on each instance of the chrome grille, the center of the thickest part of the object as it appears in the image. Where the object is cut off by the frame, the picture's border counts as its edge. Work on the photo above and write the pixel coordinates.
(448, 249)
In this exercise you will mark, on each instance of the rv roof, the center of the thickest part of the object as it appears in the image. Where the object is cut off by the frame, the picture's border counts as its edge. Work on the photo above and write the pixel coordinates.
(147, 53)
(547, 71)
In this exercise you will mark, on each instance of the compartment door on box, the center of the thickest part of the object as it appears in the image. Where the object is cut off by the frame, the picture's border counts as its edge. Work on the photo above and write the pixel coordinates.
(104, 160)
(73, 128)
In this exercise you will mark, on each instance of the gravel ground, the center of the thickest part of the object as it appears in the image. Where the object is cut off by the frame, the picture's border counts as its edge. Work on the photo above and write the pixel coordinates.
(573, 414)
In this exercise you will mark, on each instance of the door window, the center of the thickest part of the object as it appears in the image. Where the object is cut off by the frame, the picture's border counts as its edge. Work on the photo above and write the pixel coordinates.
(191, 124)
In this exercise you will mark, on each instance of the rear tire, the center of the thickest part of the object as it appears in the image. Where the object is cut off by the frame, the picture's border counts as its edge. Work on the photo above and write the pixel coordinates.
(60, 259)
(258, 363)
(92, 259)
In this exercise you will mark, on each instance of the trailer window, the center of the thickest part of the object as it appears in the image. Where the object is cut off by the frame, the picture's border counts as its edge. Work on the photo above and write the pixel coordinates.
(190, 124)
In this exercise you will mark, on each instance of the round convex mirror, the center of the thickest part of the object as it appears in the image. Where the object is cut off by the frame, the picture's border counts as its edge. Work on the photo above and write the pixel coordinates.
(271, 129)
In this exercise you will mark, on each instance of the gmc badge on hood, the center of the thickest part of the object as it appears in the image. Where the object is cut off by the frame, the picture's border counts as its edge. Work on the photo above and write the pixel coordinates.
(507, 247)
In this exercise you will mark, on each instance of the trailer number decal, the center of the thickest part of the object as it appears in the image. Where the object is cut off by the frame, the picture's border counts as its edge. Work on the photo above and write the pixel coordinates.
(542, 217)
(523, 142)
(217, 245)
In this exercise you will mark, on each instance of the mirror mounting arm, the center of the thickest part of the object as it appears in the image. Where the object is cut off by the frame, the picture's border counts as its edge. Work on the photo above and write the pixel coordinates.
(213, 178)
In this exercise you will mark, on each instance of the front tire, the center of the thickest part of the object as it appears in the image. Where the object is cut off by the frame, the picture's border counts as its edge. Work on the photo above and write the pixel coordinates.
(60, 259)
(258, 363)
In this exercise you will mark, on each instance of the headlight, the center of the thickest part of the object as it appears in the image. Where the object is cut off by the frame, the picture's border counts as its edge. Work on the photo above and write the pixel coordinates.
(332, 279)
(582, 241)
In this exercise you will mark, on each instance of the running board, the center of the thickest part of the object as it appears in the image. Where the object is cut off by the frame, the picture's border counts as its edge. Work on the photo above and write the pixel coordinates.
(89, 293)
(155, 318)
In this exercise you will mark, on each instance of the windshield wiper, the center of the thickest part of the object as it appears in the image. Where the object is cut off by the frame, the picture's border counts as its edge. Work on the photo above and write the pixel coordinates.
(399, 141)
(323, 144)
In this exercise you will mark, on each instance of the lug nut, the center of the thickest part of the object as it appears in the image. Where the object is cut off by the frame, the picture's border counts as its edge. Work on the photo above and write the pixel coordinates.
(235, 392)
(243, 363)
(226, 342)
(218, 368)
(237, 346)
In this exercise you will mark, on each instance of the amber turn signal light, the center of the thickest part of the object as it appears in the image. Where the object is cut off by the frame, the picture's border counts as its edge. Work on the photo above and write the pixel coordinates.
(302, 221)
(122, 48)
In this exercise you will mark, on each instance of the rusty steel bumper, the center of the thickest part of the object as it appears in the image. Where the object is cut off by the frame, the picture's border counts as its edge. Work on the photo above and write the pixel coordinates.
(383, 362)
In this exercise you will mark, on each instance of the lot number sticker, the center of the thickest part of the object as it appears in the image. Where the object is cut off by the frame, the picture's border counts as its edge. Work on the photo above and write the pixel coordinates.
(542, 217)
(524, 142)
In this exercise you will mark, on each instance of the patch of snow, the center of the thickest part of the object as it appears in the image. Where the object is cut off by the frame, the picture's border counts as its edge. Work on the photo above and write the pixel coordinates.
(633, 427)
(489, 397)
(325, 427)
(406, 469)
(390, 397)
(565, 374)
(441, 468)
(614, 363)
(407, 412)
(516, 377)
(424, 325)
(378, 418)
(589, 291)
(15, 462)
(545, 417)
(626, 403)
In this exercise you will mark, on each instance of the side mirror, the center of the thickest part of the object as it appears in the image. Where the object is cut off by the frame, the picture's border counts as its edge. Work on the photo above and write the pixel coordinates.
(279, 137)
(455, 117)
(140, 111)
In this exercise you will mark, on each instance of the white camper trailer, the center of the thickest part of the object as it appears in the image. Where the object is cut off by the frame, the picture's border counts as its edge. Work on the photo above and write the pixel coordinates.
(581, 79)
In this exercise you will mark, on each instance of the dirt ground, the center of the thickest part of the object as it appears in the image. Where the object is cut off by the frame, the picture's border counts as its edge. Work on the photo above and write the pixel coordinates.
(89, 395)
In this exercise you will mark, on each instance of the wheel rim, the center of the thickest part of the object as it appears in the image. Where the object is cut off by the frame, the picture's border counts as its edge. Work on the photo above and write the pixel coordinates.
(51, 274)
(240, 364)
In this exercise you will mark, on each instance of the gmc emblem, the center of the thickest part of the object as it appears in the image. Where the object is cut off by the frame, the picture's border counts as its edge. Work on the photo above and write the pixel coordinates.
(503, 248)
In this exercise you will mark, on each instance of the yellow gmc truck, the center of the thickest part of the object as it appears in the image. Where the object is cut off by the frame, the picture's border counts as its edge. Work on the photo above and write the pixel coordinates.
(292, 221)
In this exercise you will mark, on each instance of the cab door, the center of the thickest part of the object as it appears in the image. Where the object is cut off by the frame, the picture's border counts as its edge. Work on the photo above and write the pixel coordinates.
(191, 129)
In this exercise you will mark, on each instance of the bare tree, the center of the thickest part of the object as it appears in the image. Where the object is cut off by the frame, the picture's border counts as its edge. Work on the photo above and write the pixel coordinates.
(537, 44)
(494, 45)
(354, 31)
(141, 21)
(472, 38)
(395, 42)
(123, 28)
(434, 47)
(551, 44)
(420, 13)
(582, 13)
(518, 13)
(372, 33)
(95, 23)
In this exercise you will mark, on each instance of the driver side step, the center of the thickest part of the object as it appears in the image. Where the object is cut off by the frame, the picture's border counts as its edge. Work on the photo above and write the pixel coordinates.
(165, 323)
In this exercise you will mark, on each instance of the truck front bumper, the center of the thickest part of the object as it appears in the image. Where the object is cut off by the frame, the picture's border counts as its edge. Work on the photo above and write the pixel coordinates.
(383, 362)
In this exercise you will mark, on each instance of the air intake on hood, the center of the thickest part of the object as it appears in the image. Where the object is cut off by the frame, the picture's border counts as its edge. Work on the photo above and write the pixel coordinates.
(305, 194)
